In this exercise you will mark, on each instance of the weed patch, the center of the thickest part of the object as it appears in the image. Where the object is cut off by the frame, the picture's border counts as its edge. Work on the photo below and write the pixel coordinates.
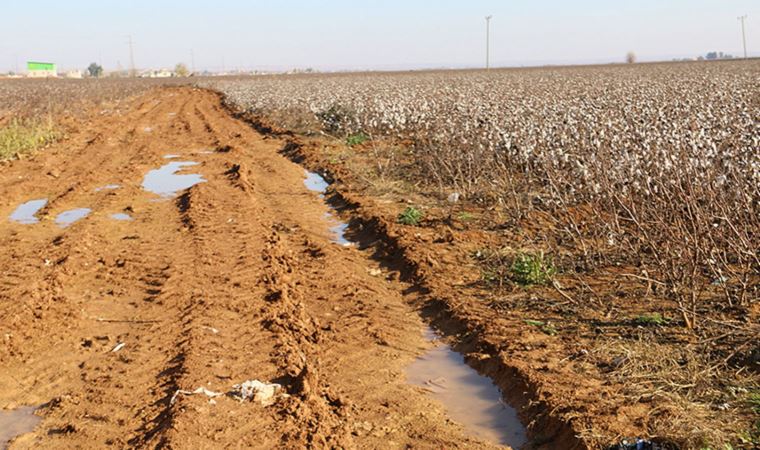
(465, 217)
(356, 139)
(410, 216)
(22, 136)
(652, 319)
(532, 269)
(545, 327)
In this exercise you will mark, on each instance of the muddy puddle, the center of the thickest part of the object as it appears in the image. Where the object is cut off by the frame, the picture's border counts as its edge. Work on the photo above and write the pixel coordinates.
(338, 231)
(121, 217)
(468, 397)
(166, 182)
(25, 213)
(316, 183)
(108, 187)
(67, 218)
(16, 422)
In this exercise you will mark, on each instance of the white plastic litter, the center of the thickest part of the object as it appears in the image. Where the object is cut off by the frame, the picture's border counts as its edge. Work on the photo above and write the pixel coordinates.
(200, 390)
(255, 390)
(118, 347)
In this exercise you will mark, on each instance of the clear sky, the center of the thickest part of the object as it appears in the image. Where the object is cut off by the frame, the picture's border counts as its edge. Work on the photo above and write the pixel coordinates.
(377, 34)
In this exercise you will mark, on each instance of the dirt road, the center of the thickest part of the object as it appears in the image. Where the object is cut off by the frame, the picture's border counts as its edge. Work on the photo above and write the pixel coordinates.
(233, 279)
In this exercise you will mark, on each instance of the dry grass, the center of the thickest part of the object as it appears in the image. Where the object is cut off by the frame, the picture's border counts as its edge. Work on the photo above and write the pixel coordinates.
(693, 402)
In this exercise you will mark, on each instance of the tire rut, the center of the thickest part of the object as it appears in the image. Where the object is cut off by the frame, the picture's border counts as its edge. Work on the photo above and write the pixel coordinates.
(235, 279)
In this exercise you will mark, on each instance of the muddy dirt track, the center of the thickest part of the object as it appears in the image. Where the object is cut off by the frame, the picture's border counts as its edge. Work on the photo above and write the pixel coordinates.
(233, 279)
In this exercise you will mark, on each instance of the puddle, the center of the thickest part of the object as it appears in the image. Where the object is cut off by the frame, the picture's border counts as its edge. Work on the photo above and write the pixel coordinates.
(17, 422)
(121, 216)
(338, 231)
(469, 398)
(314, 182)
(25, 213)
(66, 218)
(339, 235)
(166, 182)
(108, 187)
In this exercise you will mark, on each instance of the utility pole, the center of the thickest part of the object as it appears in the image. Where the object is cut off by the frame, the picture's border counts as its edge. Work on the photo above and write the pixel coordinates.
(744, 35)
(132, 72)
(488, 42)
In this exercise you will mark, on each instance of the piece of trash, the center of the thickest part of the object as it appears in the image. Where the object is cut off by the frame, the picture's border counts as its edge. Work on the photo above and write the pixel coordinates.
(453, 197)
(255, 390)
(720, 281)
(200, 390)
(375, 272)
(637, 444)
(212, 329)
(118, 347)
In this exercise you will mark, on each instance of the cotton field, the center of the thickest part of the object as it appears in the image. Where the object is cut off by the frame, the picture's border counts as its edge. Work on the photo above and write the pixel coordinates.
(662, 159)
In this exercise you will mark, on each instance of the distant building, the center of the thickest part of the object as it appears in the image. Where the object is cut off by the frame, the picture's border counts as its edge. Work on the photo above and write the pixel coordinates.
(41, 69)
(74, 74)
(162, 73)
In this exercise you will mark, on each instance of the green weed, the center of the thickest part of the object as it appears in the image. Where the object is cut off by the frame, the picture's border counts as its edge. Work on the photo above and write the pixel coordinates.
(753, 400)
(532, 269)
(465, 216)
(356, 139)
(543, 326)
(21, 136)
(410, 216)
(652, 319)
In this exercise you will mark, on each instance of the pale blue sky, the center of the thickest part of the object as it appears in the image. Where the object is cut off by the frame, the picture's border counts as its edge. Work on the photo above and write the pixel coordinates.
(343, 34)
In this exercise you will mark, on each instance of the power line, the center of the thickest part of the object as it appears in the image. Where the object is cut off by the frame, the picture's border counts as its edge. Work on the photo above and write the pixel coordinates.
(742, 19)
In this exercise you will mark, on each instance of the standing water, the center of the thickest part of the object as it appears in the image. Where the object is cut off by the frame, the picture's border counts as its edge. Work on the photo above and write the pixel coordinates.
(468, 397)
(316, 183)
(108, 187)
(122, 217)
(25, 213)
(166, 182)
(16, 422)
(66, 218)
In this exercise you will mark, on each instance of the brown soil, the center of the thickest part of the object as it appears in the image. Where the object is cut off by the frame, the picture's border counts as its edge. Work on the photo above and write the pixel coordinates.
(235, 279)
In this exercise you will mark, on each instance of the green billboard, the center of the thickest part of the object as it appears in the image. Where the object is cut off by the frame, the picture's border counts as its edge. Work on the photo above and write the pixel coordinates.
(33, 65)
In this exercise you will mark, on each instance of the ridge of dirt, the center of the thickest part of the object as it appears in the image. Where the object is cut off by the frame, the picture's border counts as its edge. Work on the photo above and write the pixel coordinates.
(105, 321)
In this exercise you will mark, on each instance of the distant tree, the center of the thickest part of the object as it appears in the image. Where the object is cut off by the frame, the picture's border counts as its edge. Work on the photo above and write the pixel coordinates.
(95, 70)
(711, 56)
(181, 70)
(630, 58)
